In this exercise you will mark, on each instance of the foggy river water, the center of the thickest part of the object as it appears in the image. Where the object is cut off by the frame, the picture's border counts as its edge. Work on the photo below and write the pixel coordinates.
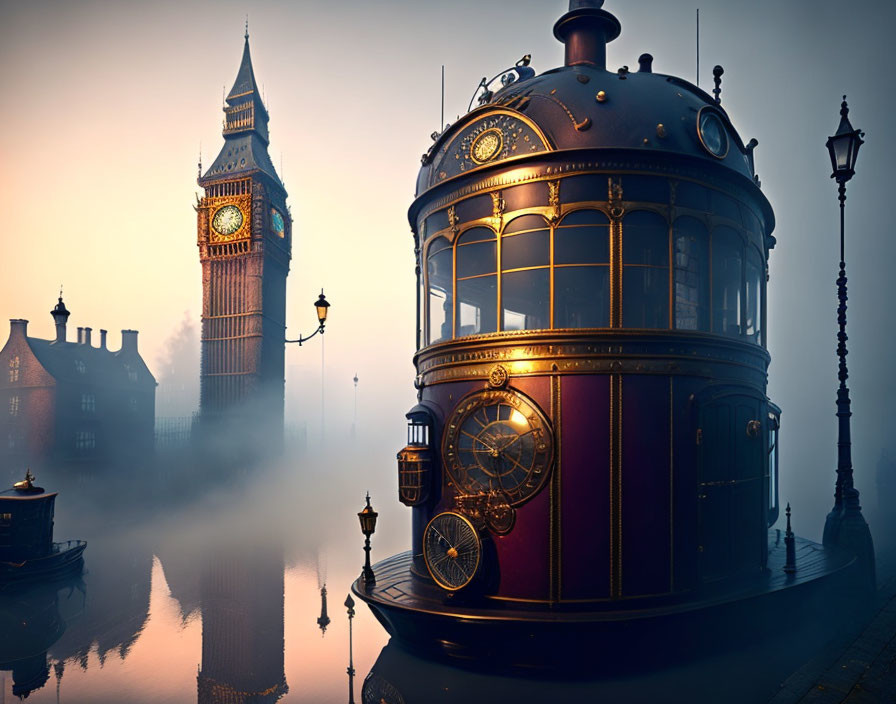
(210, 591)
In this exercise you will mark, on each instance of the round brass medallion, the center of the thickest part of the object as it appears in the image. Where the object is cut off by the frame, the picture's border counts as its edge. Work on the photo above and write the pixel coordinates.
(497, 377)
(487, 146)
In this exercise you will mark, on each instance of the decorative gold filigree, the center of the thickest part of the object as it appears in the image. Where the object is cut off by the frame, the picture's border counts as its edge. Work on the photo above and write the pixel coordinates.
(497, 377)
(497, 208)
(453, 220)
(554, 200)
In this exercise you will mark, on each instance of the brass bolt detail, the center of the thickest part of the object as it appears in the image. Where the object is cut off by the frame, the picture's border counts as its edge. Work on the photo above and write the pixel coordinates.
(661, 130)
(601, 96)
(452, 553)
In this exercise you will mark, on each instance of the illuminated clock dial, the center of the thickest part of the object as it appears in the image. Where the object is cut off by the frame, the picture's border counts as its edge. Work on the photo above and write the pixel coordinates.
(487, 146)
(452, 550)
(227, 220)
(277, 223)
(498, 441)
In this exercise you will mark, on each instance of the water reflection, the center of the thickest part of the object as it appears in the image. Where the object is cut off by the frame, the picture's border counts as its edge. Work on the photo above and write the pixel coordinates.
(223, 596)
(31, 622)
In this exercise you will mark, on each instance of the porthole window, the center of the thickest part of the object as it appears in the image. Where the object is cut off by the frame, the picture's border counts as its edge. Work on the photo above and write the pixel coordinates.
(712, 133)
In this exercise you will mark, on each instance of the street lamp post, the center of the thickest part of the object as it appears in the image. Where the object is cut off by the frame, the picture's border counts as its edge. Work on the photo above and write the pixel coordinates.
(845, 526)
(320, 306)
(367, 517)
(350, 607)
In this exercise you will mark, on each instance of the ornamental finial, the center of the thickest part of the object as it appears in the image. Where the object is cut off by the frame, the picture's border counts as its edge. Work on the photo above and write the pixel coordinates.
(247, 26)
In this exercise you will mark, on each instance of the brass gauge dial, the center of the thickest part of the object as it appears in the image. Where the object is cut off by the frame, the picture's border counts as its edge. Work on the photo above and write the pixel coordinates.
(452, 550)
(498, 441)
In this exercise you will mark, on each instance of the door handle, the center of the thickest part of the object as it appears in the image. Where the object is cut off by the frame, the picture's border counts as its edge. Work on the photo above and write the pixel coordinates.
(753, 427)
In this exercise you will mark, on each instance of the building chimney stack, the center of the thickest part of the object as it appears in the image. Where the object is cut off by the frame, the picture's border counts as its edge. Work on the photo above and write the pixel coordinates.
(102, 339)
(80, 336)
(17, 326)
(129, 341)
(87, 332)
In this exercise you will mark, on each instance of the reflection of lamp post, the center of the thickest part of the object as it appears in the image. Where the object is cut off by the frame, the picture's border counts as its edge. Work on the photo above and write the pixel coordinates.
(350, 605)
(320, 306)
(367, 517)
(845, 526)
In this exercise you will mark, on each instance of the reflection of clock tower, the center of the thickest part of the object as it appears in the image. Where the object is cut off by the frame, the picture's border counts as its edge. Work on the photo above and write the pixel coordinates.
(244, 238)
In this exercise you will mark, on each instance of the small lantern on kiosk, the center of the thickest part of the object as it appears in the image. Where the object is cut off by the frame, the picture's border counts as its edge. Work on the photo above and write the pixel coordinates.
(415, 460)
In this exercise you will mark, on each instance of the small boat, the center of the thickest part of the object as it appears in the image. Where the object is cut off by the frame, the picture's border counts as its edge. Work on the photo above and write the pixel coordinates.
(27, 550)
(64, 559)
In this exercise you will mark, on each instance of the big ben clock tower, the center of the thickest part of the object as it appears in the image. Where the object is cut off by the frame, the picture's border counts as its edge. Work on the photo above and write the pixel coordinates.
(244, 239)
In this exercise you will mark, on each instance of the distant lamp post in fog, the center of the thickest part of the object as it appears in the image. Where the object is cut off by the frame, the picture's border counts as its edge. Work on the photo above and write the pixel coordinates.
(845, 526)
(320, 306)
(367, 517)
(350, 607)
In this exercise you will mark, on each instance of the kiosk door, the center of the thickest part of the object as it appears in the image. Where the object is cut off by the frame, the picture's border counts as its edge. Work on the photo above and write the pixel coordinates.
(731, 490)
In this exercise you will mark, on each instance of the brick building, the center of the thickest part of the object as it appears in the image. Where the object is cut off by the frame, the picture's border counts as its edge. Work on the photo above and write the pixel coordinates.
(72, 402)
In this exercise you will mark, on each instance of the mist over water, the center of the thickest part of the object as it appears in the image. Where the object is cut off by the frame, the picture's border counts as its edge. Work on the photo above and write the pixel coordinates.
(173, 538)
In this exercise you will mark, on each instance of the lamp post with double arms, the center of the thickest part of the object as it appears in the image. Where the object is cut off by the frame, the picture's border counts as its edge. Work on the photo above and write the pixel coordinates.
(845, 526)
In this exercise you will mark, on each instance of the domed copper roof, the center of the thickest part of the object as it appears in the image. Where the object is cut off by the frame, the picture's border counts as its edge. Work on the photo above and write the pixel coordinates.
(583, 106)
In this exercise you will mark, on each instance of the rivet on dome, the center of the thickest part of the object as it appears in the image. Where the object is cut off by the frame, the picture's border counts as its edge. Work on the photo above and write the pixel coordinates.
(601, 96)
(661, 130)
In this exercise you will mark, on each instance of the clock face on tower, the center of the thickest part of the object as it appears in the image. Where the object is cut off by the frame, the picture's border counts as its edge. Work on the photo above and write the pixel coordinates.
(498, 441)
(277, 223)
(227, 220)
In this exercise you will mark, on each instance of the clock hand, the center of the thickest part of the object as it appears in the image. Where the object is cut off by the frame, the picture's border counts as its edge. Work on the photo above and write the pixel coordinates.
(436, 530)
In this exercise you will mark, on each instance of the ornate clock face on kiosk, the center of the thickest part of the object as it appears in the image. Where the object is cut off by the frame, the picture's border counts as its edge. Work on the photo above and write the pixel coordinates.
(452, 550)
(500, 441)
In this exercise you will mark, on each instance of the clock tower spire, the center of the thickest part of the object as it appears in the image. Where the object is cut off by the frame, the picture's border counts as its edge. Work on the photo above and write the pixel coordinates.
(245, 241)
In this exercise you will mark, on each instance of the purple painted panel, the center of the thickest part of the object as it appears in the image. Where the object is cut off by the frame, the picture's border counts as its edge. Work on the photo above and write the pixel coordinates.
(524, 554)
(646, 490)
(684, 471)
(585, 482)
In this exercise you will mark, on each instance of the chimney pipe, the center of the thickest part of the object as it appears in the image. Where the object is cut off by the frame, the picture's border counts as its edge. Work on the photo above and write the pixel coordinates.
(129, 341)
(80, 336)
(102, 339)
(645, 63)
(586, 30)
(18, 326)
(87, 332)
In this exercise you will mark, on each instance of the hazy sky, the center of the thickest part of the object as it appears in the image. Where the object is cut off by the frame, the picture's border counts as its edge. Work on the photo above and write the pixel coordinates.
(105, 105)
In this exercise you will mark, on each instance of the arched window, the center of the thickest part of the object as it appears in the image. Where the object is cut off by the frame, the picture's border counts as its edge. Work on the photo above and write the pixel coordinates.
(645, 271)
(440, 281)
(727, 281)
(582, 270)
(525, 274)
(477, 286)
(753, 299)
(691, 264)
